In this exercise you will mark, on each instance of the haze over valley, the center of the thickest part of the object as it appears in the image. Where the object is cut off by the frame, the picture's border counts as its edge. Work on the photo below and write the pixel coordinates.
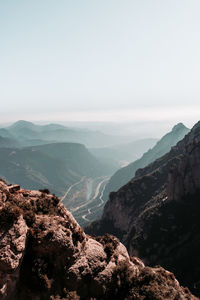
(51, 157)
(60, 159)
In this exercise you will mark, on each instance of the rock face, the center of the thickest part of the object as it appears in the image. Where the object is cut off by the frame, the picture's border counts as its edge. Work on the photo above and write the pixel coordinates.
(44, 254)
(124, 175)
(156, 215)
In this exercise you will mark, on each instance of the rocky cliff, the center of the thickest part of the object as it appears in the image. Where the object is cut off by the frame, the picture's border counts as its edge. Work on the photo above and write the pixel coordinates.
(163, 146)
(156, 215)
(44, 254)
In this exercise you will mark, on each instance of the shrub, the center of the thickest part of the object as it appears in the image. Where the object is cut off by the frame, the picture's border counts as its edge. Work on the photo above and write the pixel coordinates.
(29, 217)
(45, 191)
(77, 236)
(109, 243)
(9, 214)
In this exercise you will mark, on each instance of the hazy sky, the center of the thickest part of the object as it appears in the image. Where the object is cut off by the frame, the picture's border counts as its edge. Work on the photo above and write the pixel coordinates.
(106, 60)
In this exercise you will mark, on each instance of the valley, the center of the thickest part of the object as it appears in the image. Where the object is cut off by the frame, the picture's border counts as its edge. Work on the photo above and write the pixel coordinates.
(84, 199)
(74, 163)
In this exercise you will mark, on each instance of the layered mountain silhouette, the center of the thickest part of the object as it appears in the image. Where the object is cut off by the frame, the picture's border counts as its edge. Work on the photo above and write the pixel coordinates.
(30, 134)
(125, 174)
(46, 255)
(156, 214)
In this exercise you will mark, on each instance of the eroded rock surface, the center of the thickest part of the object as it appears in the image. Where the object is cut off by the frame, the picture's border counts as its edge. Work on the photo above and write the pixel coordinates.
(44, 254)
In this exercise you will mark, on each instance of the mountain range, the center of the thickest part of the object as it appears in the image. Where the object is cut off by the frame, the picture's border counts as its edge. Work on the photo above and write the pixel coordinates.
(29, 134)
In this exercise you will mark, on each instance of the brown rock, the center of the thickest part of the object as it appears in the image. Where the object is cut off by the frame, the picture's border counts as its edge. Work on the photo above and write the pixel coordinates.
(13, 188)
(44, 254)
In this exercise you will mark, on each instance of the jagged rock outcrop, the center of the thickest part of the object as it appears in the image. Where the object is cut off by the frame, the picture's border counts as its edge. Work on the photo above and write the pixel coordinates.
(156, 215)
(184, 178)
(44, 254)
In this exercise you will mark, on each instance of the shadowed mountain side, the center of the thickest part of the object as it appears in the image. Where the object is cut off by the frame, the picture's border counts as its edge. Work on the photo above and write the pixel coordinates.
(54, 166)
(124, 175)
(156, 215)
(77, 157)
(35, 170)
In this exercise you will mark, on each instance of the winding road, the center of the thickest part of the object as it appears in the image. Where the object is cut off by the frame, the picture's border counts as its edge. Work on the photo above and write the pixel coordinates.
(84, 217)
(92, 203)
(101, 195)
(69, 189)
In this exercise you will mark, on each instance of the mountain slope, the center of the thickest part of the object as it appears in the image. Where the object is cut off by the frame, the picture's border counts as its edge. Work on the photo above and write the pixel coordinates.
(54, 166)
(156, 215)
(6, 142)
(124, 175)
(124, 153)
(5, 133)
(46, 255)
(35, 170)
(75, 156)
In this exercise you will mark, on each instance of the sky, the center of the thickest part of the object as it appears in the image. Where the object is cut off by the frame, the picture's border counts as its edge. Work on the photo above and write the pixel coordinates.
(106, 60)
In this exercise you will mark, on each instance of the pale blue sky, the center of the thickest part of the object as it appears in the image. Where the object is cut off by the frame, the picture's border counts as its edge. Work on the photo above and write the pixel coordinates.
(89, 59)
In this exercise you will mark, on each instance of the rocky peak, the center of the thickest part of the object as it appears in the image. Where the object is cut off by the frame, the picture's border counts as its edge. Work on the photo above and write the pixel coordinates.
(46, 255)
(179, 126)
(183, 178)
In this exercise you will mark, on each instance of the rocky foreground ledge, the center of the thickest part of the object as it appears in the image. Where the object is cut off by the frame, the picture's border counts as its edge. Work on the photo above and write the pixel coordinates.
(44, 254)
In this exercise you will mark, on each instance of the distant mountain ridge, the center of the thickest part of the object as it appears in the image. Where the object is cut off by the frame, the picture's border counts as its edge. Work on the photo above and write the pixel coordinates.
(25, 132)
(125, 174)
